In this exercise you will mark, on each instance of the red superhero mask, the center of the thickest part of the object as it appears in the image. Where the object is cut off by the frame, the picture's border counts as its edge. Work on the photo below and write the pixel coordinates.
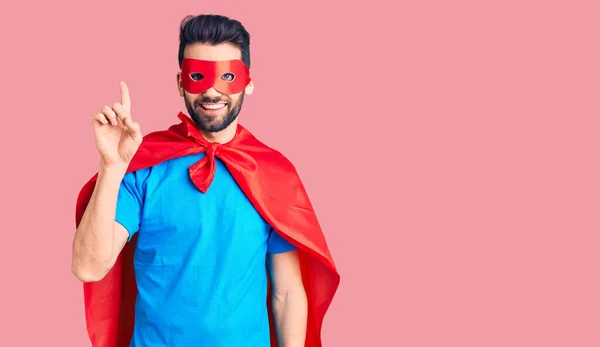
(227, 77)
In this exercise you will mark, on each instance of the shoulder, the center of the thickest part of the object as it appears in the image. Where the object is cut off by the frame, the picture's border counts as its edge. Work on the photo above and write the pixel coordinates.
(286, 186)
(268, 156)
(159, 169)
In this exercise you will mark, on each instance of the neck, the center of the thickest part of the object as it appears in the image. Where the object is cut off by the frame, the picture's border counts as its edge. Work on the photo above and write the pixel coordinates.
(222, 136)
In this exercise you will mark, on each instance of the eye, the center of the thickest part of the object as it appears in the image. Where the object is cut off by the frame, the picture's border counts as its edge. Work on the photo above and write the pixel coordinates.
(196, 76)
(228, 77)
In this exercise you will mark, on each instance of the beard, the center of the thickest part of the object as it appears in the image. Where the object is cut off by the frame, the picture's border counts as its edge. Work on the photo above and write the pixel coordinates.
(214, 124)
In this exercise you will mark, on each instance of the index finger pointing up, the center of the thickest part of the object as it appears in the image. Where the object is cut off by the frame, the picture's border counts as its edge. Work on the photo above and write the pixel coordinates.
(125, 100)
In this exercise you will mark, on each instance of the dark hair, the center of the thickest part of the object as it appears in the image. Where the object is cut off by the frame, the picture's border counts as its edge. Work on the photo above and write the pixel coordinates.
(214, 29)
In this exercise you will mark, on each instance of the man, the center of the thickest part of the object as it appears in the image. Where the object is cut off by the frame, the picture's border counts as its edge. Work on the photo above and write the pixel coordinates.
(199, 235)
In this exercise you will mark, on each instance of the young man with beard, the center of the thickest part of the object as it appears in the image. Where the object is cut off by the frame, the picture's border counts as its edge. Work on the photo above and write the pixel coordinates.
(199, 235)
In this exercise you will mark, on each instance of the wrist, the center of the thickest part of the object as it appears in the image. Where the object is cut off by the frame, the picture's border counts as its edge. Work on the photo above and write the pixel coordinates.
(116, 171)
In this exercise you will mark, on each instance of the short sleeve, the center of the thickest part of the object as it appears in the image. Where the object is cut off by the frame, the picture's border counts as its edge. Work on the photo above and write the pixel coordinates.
(277, 244)
(130, 201)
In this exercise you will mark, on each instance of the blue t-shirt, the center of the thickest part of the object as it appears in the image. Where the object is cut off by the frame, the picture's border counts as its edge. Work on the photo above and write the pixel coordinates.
(199, 259)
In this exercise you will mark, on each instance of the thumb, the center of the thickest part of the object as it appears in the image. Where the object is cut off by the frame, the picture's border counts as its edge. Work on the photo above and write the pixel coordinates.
(134, 130)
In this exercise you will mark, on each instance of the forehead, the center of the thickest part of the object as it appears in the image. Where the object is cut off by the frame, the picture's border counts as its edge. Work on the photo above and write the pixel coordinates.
(224, 51)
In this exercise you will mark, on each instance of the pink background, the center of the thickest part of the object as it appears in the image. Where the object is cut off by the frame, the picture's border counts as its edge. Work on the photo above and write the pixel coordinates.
(450, 149)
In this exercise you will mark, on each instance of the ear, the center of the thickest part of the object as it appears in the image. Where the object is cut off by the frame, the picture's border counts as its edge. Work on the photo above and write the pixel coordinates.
(179, 84)
(250, 88)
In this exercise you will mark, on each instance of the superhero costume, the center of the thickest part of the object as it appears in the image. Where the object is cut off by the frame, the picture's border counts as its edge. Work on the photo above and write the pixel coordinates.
(273, 186)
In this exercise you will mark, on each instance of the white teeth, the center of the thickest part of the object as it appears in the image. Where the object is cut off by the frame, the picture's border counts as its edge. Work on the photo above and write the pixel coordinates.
(213, 106)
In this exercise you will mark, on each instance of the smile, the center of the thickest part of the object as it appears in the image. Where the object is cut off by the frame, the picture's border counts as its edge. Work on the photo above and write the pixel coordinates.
(212, 106)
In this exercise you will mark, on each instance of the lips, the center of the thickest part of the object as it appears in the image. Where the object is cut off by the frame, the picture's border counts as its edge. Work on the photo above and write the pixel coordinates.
(213, 106)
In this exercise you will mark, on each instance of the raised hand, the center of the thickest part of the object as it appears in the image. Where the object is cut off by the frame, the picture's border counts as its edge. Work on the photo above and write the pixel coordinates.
(118, 137)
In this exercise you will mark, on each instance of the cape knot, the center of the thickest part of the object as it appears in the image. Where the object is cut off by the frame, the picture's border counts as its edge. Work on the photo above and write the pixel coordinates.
(212, 148)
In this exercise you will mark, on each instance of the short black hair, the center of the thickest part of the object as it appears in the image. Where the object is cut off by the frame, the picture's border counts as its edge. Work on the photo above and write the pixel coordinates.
(214, 29)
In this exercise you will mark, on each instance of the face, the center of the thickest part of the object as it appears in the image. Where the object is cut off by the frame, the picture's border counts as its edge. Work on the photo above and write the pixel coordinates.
(213, 109)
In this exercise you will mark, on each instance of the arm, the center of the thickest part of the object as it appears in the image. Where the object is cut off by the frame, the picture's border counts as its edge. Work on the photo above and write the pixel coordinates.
(99, 238)
(288, 298)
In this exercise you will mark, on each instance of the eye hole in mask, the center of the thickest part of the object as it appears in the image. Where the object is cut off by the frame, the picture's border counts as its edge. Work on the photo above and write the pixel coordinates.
(196, 76)
(228, 77)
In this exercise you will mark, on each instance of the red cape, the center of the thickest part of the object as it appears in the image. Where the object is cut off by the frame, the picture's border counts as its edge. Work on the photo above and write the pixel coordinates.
(270, 182)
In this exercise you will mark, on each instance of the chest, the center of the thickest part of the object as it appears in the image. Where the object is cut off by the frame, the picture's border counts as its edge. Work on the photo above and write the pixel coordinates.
(179, 221)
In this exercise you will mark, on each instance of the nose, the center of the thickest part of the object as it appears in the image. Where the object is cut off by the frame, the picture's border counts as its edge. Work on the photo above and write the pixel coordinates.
(212, 93)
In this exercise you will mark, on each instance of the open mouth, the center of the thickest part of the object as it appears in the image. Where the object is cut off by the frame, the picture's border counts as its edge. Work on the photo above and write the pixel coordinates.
(212, 107)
